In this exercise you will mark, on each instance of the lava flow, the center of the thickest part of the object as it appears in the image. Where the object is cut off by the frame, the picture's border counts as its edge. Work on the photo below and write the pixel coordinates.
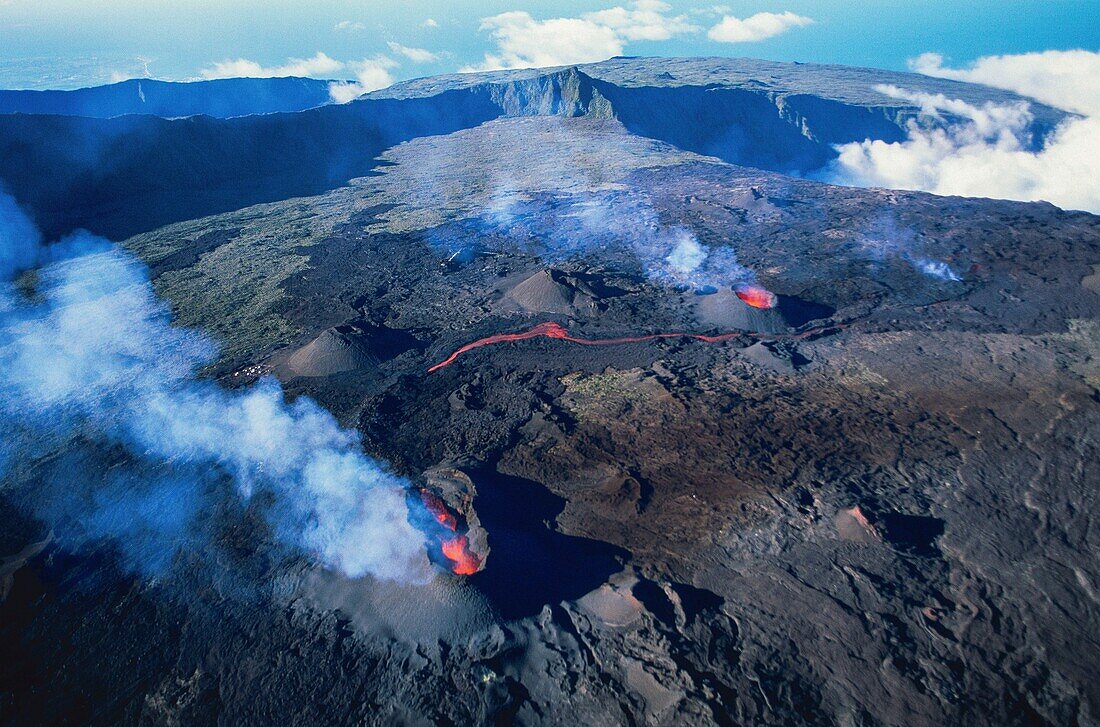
(555, 330)
(756, 296)
(453, 546)
(457, 550)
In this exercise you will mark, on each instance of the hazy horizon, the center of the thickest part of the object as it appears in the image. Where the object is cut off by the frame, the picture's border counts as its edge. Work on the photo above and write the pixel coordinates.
(68, 44)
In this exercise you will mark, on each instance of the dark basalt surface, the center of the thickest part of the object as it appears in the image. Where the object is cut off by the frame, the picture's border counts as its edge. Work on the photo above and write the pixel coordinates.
(890, 521)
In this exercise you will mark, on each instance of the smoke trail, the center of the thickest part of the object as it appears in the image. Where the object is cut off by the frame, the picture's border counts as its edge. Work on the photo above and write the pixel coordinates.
(98, 381)
(668, 254)
(884, 240)
(935, 268)
(573, 226)
(565, 197)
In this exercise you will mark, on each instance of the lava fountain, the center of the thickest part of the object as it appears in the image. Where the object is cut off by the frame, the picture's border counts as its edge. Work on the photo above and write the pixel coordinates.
(447, 531)
(756, 296)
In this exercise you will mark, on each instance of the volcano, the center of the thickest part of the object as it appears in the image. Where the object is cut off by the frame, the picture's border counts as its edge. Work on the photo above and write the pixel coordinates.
(859, 495)
(455, 538)
(348, 347)
(755, 296)
(547, 292)
(762, 312)
(727, 309)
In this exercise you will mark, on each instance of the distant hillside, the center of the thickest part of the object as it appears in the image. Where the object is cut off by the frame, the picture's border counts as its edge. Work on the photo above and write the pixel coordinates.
(125, 175)
(221, 98)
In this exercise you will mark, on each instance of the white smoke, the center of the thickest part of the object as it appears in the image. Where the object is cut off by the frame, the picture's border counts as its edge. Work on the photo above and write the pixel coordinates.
(687, 256)
(936, 269)
(985, 151)
(90, 356)
(884, 240)
(668, 254)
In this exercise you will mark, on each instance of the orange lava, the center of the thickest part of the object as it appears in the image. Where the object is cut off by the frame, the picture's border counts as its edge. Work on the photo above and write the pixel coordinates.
(756, 296)
(457, 550)
(555, 330)
(438, 510)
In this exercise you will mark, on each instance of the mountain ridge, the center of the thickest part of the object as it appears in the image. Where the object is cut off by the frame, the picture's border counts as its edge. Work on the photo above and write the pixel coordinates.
(220, 98)
(69, 171)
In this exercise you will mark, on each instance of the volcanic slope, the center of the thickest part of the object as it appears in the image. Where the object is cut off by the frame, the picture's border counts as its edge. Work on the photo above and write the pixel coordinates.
(886, 520)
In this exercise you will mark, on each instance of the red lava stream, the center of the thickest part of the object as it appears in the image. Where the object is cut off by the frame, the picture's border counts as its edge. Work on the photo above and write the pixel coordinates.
(555, 330)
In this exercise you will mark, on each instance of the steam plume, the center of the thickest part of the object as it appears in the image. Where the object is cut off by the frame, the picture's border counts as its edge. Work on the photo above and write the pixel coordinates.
(140, 449)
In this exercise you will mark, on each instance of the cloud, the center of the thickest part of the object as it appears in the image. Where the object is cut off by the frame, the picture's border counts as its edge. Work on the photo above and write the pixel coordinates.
(524, 42)
(319, 66)
(416, 55)
(430, 23)
(108, 431)
(118, 76)
(349, 25)
(1066, 79)
(371, 74)
(956, 148)
(756, 27)
(645, 20)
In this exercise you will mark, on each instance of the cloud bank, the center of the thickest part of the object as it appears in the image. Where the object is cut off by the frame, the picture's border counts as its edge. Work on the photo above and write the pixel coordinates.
(319, 66)
(416, 55)
(755, 28)
(114, 436)
(955, 148)
(370, 74)
(1067, 79)
(524, 42)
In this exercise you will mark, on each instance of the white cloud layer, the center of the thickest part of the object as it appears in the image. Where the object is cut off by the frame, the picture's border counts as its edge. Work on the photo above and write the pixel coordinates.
(755, 28)
(371, 74)
(1067, 79)
(416, 55)
(644, 20)
(524, 42)
(956, 148)
(350, 25)
(319, 66)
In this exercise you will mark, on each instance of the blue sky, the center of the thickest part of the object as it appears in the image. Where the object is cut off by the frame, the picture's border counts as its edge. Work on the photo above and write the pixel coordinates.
(70, 43)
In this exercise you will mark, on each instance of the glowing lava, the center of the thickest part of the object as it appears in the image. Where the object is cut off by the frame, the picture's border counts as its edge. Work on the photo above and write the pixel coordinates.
(756, 296)
(453, 544)
(555, 330)
(439, 510)
(457, 550)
